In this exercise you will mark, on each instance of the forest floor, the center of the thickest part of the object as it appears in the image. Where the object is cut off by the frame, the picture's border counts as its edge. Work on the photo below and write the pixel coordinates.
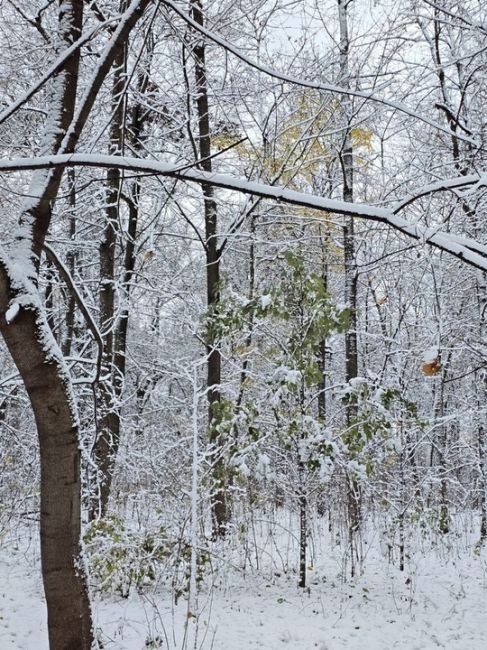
(439, 601)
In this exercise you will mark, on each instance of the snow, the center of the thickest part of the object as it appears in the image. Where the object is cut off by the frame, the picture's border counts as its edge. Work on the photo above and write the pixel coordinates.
(52, 70)
(326, 87)
(12, 312)
(18, 268)
(465, 249)
(286, 375)
(357, 382)
(436, 603)
(430, 354)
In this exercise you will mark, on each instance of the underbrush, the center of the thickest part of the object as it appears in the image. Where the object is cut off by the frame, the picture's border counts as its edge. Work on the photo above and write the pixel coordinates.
(121, 559)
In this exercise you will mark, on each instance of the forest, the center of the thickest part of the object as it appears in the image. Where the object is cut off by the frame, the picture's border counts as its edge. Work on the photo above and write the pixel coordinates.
(243, 317)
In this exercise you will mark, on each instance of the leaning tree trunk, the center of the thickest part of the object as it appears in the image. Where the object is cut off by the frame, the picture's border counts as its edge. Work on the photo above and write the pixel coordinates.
(35, 352)
(47, 382)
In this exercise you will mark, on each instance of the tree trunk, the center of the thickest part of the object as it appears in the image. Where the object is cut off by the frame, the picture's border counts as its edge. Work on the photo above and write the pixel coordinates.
(108, 441)
(71, 263)
(219, 506)
(40, 365)
(108, 430)
(36, 353)
(303, 538)
(351, 354)
(482, 399)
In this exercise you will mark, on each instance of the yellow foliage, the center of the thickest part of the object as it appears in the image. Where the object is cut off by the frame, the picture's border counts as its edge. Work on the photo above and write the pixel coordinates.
(303, 147)
(361, 138)
(224, 140)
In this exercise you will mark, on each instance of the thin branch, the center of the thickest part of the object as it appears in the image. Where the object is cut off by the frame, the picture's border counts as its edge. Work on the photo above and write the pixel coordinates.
(370, 96)
(69, 282)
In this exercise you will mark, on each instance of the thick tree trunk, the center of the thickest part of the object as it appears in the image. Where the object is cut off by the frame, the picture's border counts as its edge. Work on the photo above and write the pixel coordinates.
(40, 365)
(37, 355)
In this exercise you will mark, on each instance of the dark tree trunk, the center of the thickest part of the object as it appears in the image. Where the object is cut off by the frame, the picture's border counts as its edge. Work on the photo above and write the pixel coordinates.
(39, 362)
(30, 342)
(38, 358)
(303, 527)
(115, 345)
(108, 429)
(220, 507)
(71, 263)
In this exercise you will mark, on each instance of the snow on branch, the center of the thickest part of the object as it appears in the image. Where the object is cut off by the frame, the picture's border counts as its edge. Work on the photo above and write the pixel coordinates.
(126, 22)
(73, 289)
(331, 88)
(439, 186)
(53, 69)
(467, 250)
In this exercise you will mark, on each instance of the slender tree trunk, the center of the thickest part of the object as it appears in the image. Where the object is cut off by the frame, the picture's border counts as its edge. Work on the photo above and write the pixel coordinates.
(323, 353)
(351, 353)
(481, 430)
(115, 322)
(250, 296)
(482, 480)
(108, 434)
(219, 506)
(303, 527)
(71, 263)
(441, 449)
(49, 298)
(462, 165)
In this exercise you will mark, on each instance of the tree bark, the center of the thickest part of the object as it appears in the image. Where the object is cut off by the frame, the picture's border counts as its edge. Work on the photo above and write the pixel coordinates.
(39, 361)
(108, 430)
(36, 354)
(71, 264)
(108, 440)
(351, 353)
(219, 506)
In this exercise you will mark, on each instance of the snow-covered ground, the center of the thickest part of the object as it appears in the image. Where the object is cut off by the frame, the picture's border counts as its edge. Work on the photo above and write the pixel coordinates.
(440, 601)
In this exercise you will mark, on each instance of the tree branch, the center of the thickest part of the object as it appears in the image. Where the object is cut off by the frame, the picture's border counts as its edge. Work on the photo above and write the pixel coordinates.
(467, 250)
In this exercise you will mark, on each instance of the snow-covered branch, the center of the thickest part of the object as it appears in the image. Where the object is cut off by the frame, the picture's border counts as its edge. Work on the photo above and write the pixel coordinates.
(467, 250)
(326, 87)
(53, 69)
